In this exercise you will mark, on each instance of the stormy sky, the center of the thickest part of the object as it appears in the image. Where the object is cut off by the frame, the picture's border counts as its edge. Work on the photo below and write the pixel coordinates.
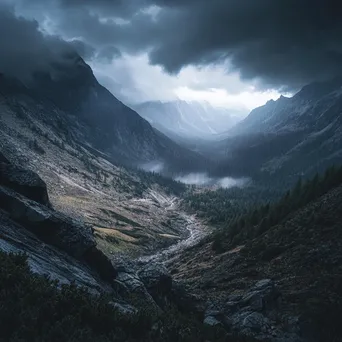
(230, 52)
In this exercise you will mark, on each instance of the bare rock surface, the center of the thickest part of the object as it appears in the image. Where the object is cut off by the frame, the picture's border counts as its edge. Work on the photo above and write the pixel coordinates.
(50, 226)
(25, 182)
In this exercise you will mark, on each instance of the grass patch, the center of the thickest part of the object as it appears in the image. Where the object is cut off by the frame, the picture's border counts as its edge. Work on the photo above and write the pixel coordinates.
(103, 232)
(119, 217)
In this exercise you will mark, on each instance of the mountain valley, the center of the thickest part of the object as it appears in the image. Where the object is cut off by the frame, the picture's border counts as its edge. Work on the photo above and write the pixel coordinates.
(183, 120)
(250, 261)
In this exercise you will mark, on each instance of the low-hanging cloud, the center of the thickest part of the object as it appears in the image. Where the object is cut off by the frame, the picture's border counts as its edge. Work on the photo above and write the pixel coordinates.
(203, 179)
(283, 44)
(24, 48)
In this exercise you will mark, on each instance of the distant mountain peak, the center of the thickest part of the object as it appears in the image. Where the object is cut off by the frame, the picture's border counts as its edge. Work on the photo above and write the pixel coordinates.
(188, 118)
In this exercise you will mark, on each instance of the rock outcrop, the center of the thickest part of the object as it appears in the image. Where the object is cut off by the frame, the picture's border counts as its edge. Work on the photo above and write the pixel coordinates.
(128, 285)
(253, 313)
(26, 182)
(46, 259)
(157, 280)
(24, 207)
(23, 195)
(50, 226)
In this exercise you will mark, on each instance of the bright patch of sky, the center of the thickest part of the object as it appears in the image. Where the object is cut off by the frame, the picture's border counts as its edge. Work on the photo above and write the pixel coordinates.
(132, 79)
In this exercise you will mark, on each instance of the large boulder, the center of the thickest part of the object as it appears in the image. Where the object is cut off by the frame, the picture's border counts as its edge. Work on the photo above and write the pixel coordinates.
(26, 182)
(253, 313)
(263, 296)
(253, 324)
(50, 226)
(129, 285)
(185, 300)
(57, 229)
(156, 279)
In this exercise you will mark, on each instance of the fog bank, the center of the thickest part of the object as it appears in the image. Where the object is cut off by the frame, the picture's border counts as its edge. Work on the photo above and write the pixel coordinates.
(195, 178)
(154, 166)
(202, 179)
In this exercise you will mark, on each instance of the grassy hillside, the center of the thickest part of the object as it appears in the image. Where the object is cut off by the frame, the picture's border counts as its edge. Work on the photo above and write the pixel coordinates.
(260, 219)
(296, 243)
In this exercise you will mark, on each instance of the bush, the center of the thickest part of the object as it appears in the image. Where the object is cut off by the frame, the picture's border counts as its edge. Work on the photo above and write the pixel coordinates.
(35, 308)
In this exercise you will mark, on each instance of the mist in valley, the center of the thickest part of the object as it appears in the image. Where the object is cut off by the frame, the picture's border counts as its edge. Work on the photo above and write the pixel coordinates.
(199, 179)
(195, 178)
(203, 179)
(153, 166)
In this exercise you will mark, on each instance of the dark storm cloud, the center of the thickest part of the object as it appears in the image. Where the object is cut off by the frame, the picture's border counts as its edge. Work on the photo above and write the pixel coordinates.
(283, 43)
(121, 8)
(24, 49)
(83, 49)
(107, 53)
(103, 54)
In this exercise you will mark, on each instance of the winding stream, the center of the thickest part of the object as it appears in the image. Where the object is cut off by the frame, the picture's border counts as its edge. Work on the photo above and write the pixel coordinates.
(196, 232)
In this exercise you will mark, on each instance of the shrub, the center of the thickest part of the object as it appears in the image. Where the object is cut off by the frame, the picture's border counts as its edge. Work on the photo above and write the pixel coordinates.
(35, 308)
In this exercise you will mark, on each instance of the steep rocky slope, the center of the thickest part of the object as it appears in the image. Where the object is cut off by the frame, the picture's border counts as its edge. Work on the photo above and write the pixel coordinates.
(127, 215)
(288, 137)
(68, 96)
(128, 212)
(56, 244)
(65, 250)
(283, 285)
(313, 108)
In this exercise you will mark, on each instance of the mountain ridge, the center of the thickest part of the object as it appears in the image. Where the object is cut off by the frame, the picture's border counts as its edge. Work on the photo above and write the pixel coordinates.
(92, 114)
(188, 119)
(289, 137)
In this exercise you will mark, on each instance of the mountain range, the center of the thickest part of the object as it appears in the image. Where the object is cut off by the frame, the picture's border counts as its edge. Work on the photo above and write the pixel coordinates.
(188, 119)
(289, 137)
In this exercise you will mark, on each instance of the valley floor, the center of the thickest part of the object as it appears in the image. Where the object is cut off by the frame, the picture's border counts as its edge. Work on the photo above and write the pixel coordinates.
(128, 215)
